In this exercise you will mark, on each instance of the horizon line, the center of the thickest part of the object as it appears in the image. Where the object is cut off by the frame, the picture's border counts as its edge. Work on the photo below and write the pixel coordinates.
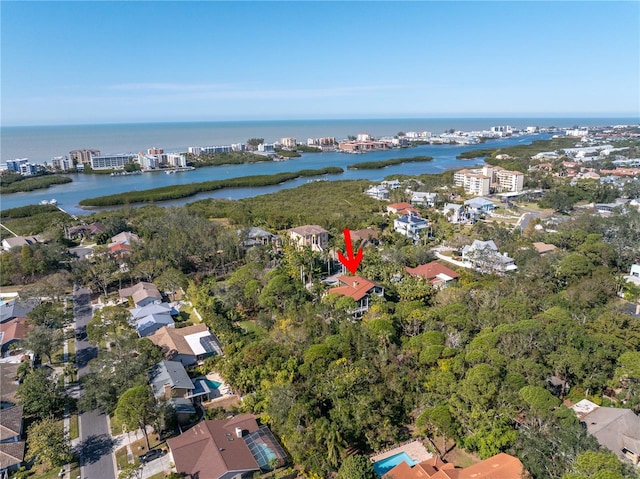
(272, 120)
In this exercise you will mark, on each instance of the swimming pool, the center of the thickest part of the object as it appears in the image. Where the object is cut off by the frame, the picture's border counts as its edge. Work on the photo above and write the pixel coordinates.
(385, 465)
(212, 384)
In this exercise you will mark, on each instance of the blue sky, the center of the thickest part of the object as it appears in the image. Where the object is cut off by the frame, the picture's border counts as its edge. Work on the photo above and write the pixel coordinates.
(95, 62)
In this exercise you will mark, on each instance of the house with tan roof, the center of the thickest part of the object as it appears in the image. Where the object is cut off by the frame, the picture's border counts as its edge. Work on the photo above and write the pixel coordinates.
(187, 345)
(226, 449)
(359, 289)
(312, 236)
(438, 275)
(20, 241)
(544, 248)
(11, 443)
(366, 236)
(142, 294)
(500, 466)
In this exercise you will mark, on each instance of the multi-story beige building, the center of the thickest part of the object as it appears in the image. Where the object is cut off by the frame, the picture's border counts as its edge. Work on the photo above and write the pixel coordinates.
(472, 181)
(82, 156)
(489, 179)
(289, 142)
(313, 236)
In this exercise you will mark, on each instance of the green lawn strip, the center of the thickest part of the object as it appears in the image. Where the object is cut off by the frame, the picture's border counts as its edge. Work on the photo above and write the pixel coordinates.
(376, 165)
(174, 192)
(121, 457)
(252, 327)
(74, 431)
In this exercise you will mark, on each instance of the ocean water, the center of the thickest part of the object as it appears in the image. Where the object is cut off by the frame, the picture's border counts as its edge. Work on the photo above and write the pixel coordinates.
(41, 143)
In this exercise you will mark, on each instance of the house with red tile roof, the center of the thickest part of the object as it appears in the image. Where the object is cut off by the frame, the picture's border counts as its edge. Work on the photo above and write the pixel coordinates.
(438, 275)
(226, 449)
(359, 289)
(13, 331)
(500, 466)
(401, 208)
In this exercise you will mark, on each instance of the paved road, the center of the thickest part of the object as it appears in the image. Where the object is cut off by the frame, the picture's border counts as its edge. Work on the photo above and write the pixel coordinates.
(96, 445)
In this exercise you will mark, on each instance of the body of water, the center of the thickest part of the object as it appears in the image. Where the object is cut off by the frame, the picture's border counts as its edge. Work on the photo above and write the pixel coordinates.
(41, 143)
(86, 186)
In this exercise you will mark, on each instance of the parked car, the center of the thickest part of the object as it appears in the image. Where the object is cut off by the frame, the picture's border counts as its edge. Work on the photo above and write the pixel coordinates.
(151, 455)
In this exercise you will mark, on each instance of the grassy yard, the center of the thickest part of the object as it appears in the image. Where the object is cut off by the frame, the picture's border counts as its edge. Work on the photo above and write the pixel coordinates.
(252, 327)
(121, 457)
(74, 432)
(139, 446)
(53, 473)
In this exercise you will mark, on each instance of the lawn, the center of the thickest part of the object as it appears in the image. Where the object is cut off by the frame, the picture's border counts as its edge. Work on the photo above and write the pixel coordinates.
(121, 457)
(53, 473)
(74, 432)
(252, 327)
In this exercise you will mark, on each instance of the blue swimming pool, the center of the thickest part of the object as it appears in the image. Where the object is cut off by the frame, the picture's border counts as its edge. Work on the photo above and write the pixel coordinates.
(385, 465)
(212, 384)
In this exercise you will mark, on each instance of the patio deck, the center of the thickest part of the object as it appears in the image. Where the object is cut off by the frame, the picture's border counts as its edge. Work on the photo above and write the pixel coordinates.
(414, 449)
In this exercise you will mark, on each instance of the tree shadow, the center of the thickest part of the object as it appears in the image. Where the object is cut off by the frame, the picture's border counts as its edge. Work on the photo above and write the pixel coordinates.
(83, 356)
(94, 447)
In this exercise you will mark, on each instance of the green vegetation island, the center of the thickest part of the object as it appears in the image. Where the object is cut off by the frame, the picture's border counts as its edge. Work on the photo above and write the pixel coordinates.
(378, 165)
(17, 183)
(174, 192)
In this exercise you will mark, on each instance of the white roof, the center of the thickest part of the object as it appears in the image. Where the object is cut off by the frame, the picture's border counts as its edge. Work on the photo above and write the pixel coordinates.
(193, 340)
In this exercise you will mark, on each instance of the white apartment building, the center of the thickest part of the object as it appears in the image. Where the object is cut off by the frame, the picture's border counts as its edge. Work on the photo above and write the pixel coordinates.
(176, 160)
(61, 163)
(108, 162)
(148, 162)
(504, 180)
(194, 150)
(363, 137)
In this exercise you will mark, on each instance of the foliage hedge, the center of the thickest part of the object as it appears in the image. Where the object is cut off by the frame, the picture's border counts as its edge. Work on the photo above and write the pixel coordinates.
(377, 165)
(174, 192)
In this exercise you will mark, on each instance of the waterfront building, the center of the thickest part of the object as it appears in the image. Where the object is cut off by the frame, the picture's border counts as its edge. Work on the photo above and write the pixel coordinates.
(108, 162)
(155, 151)
(176, 160)
(238, 147)
(266, 148)
(29, 169)
(60, 163)
(216, 149)
(195, 150)
(148, 162)
(14, 165)
(288, 142)
(82, 157)
(363, 137)
(577, 132)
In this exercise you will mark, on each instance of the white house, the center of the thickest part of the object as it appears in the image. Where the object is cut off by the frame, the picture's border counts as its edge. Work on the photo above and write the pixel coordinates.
(378, 192)
(411, 226)
(485, 257)
(422, 198)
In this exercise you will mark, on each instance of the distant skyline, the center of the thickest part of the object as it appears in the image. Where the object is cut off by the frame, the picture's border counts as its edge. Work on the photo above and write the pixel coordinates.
(104, 62)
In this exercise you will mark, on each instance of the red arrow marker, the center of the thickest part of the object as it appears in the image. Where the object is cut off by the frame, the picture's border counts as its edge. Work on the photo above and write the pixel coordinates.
(351, 262)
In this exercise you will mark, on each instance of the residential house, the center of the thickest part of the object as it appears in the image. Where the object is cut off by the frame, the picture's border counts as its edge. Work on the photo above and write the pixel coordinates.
(617, 429)
(11, 332)
(258, 237)
(14, 308)
(458, 213)
(438, 275)
(423, 199)
(142, 293)
(125, 237)
(8, 384)
(480, 204)
(20, 241)
(485, 257)
(234, 448)
(151, 317)
(359, 289)
(401, 208)
(170, 382)
(366, 236)
(391, 184)
(186, 345)
(543, 248)
(312, 236)
(634, 274)
(11, 444)
(500, 466)
(85, 231)
(378, 192)
(412, 226)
